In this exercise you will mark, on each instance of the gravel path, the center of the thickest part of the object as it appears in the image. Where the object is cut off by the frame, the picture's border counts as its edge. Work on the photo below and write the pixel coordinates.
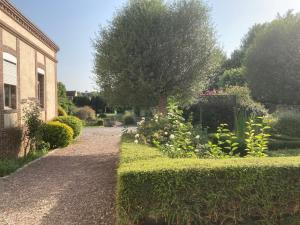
(70, 186)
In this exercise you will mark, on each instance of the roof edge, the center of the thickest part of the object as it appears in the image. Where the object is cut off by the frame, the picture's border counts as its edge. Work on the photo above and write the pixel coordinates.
(9, 9)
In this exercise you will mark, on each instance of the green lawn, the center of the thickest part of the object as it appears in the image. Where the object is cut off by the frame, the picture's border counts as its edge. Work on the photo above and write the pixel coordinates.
(9, 166)
(283, 153)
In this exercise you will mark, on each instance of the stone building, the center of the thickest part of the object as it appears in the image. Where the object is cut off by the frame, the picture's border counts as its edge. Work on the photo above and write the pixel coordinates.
(27, 74)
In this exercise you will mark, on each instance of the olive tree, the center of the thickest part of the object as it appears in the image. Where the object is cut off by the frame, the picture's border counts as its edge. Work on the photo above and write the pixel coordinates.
(152, 50)
(273, 62)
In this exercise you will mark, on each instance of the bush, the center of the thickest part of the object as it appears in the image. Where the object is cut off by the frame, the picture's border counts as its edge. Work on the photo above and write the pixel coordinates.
(61, 111)
(170, 133)
(206, 191)
(73, 122)
(245, 103)
(129, 119)
(233, 77)
(57, 134)
(287, 123)
(86, 113)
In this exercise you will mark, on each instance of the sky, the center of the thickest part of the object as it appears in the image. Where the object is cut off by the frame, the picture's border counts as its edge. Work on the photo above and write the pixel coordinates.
(73, 24)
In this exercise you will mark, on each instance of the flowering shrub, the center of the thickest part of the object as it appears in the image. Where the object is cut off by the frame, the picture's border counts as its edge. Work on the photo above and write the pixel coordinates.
(178, 138)
(170, 133)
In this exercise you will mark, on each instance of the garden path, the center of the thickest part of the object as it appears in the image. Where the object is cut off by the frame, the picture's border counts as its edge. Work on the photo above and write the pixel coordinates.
(75, 185)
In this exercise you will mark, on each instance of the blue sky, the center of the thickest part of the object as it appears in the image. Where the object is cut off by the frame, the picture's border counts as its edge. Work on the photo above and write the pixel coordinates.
(73, 24)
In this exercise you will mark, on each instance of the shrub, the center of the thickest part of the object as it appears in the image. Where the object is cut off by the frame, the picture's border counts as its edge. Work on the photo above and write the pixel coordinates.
(57, 134)
(233, 77)
(170, 133)
(129, 119)
(206, 191)
(32, 123)
(287, 123)
(245, 102)
(86, 113)
(73, 122)
(61, 111)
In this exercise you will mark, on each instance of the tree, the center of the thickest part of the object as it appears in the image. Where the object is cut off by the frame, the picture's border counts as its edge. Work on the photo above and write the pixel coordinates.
(82, 100)
(63, 100)
(233, 77)
(98, 104)
(272, 62)
(152, 50)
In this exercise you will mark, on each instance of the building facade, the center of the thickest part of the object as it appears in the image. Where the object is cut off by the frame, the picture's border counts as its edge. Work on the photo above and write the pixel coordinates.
(27, 74)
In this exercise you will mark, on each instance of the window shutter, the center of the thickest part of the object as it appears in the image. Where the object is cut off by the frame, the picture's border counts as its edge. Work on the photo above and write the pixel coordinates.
(9, 69)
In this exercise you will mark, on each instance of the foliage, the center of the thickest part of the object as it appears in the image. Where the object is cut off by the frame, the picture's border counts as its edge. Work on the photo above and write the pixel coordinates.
(155, 49)
(86, 113)
(272, 62)
(287, 123)
(245, 102)
(257, 137)
(73, 122)
(33, 124)
(206, 191)
(9, 166)
(233, 77)
(82, 100)
(129, 118)
(63, 100)
(57, 134)
(225, 145)
(170, 133)
(61, 111)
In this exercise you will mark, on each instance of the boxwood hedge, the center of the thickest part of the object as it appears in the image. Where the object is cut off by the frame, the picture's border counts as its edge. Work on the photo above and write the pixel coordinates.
(75, 123)
(206, 191)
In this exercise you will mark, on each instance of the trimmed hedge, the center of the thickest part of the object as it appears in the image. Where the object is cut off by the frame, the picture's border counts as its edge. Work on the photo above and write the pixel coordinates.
(57, 134)
(206, 191)
(61, 111)
(73, 122)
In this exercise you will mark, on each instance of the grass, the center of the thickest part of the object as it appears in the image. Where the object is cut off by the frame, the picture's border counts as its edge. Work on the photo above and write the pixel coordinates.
(8, 166)
(284, 153)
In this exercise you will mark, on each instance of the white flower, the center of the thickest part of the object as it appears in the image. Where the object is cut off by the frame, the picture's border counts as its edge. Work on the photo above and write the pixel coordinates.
(143, 118)
(189, 133)
(197, 137)
(172, 136)
(137, 136)
(136, 141)
(166, 133)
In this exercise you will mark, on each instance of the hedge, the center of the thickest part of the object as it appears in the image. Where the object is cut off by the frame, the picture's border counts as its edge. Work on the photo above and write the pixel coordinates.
(57, 134)
(73, 122)
(206, 191)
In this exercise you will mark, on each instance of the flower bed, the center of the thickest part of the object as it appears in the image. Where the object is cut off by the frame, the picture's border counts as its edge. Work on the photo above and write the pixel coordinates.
(206, 191)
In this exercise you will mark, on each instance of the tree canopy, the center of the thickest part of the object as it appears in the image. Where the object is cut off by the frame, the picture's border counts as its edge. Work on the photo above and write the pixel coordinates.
(63, 100)
(272, 62)
(153, 50)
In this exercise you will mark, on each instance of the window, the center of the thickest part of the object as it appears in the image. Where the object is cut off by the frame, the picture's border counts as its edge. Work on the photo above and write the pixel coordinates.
(41, 90)
(10, 96)
(41, 87)
(10, 81)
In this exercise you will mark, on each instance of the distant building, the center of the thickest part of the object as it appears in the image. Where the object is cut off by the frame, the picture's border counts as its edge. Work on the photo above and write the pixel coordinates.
(27, 73)
(72, 94)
